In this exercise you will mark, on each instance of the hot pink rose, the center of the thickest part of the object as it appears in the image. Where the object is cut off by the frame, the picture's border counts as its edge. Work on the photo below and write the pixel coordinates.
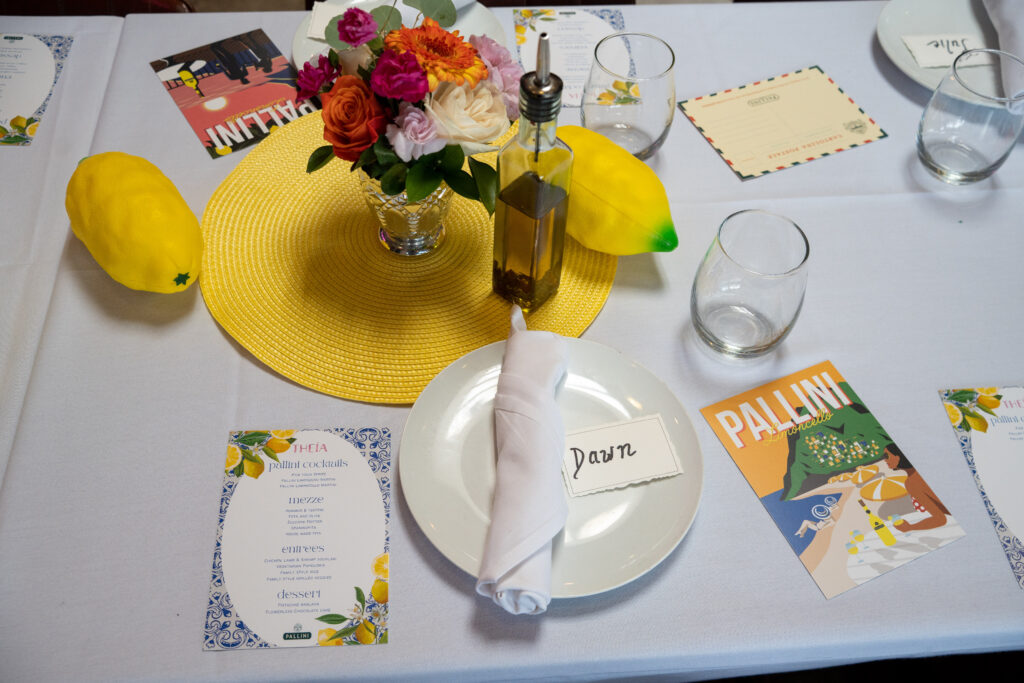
(399, 76)
(357, 27)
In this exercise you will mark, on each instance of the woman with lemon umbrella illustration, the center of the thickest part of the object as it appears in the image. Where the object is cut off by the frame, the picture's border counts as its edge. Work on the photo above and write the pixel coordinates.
(924, 498)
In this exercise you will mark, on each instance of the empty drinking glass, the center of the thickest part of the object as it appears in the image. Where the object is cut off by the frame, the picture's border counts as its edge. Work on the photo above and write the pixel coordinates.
(630, 92)
(750, 286)
(974, 117)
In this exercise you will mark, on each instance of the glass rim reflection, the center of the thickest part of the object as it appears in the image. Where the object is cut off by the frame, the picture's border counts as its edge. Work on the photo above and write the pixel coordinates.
(748, 269)
(973, 53)
(636, 79)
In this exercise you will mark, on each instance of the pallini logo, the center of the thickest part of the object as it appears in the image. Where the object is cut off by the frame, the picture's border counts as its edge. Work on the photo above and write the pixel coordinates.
(297, 634)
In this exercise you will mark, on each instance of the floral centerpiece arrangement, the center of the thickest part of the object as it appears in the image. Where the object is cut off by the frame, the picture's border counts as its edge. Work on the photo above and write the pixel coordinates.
(417, 102)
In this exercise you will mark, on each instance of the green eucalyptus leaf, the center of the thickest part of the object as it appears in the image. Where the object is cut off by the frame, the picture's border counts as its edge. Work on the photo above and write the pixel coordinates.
(319, 158)
(441, 11)
(331, 34)
(394, 180)
(423, 179)
(486, 183)
(388, 19)
(463, 184)
(452, 158)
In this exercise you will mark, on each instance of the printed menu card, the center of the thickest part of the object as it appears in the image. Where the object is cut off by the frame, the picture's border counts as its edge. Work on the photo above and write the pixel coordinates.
(844, 495)
(29, 68)
(301, 556)
(781, 122)
(234, 91)
(989, 423)
(574, 33)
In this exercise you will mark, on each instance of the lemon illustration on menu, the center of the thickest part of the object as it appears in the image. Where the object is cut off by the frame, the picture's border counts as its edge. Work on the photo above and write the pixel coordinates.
(293, 555)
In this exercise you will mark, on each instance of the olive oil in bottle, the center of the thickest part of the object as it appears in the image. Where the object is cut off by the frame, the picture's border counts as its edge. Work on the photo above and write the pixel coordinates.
(534, 170)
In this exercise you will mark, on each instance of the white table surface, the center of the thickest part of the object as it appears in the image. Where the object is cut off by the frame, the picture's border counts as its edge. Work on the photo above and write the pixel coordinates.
(33, 222)
(108, 505)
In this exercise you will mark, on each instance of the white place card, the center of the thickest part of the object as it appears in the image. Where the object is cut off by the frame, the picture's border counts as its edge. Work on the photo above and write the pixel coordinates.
(615, 455)
(939, 50)
(320, 16)
(301, 557)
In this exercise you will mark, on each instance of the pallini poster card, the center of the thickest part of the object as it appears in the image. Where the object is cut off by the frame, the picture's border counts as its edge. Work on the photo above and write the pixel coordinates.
(989, 424)
(842, 492)
(301, 556)
(234, 91)
(780, 122)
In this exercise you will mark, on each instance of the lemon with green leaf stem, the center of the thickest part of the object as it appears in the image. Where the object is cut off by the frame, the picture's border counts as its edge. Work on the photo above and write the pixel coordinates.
(134, 222)
(617, 204)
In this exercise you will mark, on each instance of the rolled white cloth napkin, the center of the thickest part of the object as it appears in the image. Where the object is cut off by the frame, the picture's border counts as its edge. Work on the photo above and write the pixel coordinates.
(1007, 16)
(529, 506)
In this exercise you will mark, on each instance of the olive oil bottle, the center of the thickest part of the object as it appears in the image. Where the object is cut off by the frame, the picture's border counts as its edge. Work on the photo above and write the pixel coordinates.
(534, 171)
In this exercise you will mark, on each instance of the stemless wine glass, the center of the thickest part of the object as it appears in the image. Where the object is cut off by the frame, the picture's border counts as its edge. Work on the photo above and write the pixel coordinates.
(750, 287)
(974, 117)
(630, 92)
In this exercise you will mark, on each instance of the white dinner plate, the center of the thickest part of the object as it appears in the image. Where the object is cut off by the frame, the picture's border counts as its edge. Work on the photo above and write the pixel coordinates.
(473, 19)
(919, 17)
(447, 468)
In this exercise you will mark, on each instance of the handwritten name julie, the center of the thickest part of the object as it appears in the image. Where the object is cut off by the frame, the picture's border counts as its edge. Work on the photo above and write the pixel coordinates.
(600, 456)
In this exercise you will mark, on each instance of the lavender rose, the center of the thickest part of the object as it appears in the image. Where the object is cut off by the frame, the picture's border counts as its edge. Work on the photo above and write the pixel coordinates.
(502, 71)
(413, 134)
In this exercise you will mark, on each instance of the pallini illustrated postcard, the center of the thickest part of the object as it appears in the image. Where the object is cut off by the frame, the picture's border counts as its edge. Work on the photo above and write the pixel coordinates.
(844, 495)
(989, 424)
(301, 553)
(234, 91)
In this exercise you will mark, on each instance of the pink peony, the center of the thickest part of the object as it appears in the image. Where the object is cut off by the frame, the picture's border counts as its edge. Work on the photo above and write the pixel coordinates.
(399, 76)
(312, 78)
(413, 134)
(357, 27)
(502, 71)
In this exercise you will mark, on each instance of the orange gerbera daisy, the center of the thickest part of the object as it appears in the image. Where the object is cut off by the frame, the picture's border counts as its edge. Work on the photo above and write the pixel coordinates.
(444, 55)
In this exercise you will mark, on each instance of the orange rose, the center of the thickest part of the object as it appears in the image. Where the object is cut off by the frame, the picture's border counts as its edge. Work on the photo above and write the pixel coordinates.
(353, 118)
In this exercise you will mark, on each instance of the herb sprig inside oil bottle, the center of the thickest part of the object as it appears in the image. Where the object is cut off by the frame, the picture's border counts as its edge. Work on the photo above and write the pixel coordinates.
(534, 170)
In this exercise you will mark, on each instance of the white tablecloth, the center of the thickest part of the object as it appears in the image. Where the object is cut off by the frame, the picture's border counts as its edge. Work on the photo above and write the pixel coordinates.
(109, 503)
(33, 224)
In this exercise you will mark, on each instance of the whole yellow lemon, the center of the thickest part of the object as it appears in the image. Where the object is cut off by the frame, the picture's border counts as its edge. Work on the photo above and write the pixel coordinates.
(134, 222)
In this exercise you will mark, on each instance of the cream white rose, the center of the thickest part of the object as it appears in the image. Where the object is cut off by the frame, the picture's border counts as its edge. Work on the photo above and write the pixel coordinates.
(468, 117)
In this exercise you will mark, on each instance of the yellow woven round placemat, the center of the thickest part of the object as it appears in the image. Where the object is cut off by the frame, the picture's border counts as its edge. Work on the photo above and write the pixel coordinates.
(294, 271)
